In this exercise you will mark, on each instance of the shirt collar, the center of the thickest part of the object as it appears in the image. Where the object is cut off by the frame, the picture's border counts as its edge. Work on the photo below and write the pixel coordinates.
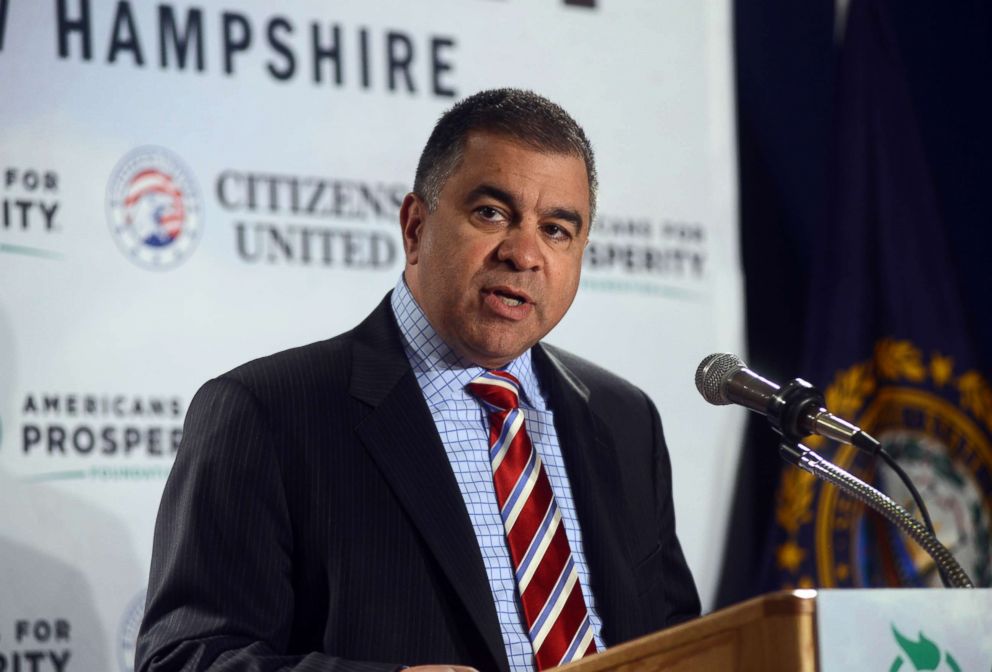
(438, 366)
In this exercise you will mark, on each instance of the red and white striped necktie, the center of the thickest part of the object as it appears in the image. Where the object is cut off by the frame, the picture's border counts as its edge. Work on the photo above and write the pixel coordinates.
(547, 581)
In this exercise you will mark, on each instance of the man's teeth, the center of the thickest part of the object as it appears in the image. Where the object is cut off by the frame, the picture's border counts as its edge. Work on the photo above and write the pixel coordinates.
(509, 300)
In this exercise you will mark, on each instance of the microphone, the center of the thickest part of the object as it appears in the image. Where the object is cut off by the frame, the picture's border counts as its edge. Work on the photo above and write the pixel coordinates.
(795, 409)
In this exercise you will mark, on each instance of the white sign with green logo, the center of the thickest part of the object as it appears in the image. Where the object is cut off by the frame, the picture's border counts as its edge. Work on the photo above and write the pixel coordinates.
(905, 630)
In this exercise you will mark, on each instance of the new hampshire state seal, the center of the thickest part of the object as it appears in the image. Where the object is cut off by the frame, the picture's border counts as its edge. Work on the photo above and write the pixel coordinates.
(937, 423)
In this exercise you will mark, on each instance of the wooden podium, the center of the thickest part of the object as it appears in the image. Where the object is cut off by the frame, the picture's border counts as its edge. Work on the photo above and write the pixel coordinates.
(766, 634)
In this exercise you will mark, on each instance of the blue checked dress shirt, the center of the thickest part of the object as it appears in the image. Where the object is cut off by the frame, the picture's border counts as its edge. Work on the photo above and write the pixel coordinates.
(463, 426)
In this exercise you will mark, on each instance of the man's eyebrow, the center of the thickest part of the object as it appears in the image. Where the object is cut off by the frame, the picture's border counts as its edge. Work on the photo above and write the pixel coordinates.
(566, 214)
(506, 197)
(492, 192)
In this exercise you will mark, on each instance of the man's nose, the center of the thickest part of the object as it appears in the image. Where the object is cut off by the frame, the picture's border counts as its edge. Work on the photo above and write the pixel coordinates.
(521, 248)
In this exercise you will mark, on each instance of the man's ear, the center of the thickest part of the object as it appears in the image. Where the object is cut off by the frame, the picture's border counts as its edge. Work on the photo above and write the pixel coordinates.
(413, 213)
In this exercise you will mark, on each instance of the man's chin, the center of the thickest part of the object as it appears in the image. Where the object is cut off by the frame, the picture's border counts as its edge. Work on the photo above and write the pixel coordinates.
(494, 355)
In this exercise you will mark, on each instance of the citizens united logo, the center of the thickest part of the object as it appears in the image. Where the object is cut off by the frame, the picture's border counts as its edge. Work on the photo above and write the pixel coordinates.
(154, 208)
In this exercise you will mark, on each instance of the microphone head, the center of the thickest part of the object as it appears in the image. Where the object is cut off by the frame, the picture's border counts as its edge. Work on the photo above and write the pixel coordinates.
(713, 372)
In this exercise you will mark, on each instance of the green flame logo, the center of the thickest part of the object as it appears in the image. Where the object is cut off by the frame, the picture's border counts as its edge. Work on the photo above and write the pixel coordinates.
(922, 654)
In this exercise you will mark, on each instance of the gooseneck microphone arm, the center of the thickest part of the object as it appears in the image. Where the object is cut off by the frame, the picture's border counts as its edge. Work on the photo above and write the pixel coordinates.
(796, 410)
(799, 455)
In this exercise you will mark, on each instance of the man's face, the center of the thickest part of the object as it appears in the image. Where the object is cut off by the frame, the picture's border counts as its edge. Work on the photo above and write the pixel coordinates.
(496, 265)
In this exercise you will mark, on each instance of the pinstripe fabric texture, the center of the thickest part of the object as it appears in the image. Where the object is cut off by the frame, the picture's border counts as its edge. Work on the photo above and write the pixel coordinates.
(312, 520)
(463, 426)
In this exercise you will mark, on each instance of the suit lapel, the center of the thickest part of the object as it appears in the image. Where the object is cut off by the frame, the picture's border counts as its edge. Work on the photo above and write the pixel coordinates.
(400, 435)
(594, 476)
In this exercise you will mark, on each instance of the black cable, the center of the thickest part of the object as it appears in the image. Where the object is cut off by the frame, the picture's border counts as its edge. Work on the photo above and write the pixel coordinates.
(862, 440)
(904, 477)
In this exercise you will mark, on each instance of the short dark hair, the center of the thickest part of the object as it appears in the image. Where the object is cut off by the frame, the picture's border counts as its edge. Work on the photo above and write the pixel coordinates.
(521, 115)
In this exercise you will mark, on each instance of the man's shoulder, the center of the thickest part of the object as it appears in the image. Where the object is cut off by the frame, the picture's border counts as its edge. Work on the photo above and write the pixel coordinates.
(323, 364)
(596, 380)
(295, 368)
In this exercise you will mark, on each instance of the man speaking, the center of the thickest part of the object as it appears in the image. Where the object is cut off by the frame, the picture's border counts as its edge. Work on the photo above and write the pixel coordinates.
(435, 486)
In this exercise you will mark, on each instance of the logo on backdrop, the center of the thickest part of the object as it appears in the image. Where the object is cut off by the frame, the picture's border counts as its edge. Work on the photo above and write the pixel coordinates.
(154, 208)
(921, 654)
(107, 437)
(312, 221)
(29, 212)
(127, 632)
(640, 255)
(280, 47)
(37, 644)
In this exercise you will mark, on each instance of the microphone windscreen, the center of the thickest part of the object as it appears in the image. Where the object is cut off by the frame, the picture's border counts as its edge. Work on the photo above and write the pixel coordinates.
(713, 372)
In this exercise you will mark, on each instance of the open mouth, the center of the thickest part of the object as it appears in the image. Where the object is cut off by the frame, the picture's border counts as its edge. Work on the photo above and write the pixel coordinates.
(509, 298)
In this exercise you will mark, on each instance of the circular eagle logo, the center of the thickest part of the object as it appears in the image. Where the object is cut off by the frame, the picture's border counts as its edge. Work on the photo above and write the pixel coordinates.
(154, 208)
(127, 634)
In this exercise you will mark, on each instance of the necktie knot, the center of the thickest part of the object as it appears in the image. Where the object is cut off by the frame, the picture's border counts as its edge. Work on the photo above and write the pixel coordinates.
(498, 390)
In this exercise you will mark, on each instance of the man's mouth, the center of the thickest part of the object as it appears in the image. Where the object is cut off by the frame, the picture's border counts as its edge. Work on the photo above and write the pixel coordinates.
(508, 297)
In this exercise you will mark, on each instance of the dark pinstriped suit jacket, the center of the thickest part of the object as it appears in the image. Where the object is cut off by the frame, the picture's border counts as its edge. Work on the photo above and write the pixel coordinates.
(312, 521)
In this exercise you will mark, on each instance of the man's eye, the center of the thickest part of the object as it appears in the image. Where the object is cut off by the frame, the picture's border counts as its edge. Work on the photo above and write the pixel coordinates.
(489, 213)
(557, 232)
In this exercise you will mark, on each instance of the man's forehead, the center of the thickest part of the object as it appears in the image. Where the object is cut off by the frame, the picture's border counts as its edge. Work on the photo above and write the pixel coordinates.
(495, 159)
(485, 140)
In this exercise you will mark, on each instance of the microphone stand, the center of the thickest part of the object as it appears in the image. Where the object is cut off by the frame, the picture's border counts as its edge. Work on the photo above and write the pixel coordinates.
(796, 454)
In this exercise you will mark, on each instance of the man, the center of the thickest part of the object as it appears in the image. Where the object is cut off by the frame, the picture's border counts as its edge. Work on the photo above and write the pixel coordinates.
(434, 486)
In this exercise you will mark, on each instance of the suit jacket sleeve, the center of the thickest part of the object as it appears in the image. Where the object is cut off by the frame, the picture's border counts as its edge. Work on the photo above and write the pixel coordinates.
(680, 593)
(221, 590)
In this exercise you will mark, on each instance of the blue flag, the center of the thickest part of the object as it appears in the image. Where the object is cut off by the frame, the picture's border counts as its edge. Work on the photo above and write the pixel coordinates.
(889, 344)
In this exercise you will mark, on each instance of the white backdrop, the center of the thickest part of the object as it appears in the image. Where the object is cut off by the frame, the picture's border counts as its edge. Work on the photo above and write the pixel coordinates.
(274, 145)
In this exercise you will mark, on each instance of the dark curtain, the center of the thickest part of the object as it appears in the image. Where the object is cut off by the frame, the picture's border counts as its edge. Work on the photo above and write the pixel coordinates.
(786, 65)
